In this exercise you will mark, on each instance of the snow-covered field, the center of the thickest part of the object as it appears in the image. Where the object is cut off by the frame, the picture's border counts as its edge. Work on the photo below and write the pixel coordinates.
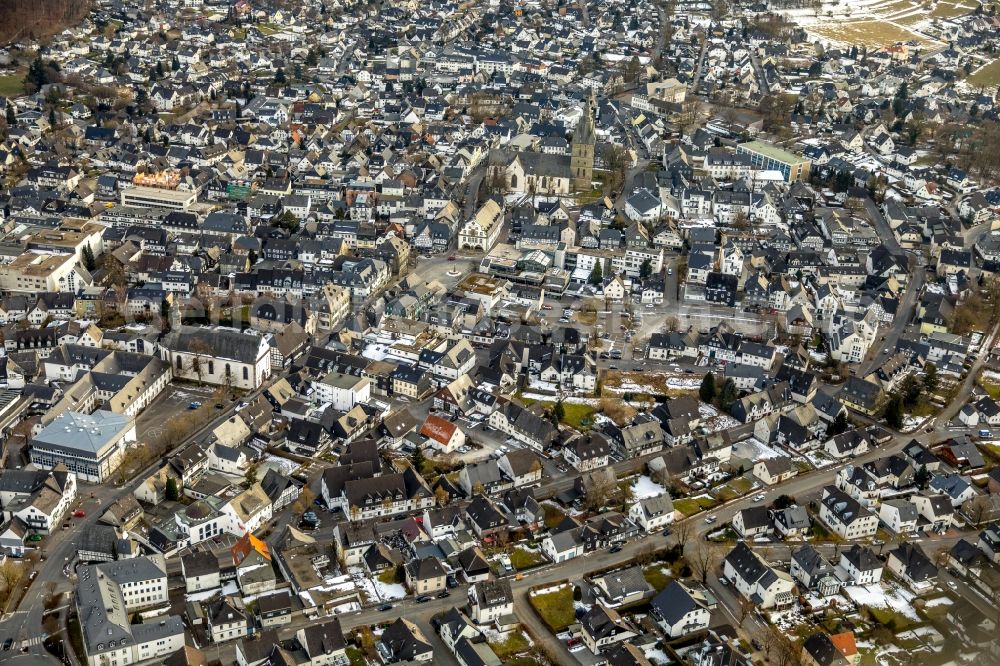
(754, 449)
(877, 596)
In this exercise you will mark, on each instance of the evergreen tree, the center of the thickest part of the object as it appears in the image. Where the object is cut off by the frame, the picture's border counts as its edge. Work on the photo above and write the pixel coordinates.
(37, 75)
(173, 492)
(838, 426)
(52, 117)
(558, 413)
(921, 477)
(707, 390)
(729, 394)
(88, 258)
(894, 412)
(646, 269)
(417, 459)
(930, 377)
(597, 275)
(175, 64)
(159, 70)
(279, 76)
(11, 116)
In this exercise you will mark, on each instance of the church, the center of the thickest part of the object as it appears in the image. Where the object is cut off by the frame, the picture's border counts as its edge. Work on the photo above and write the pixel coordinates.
(582, 149)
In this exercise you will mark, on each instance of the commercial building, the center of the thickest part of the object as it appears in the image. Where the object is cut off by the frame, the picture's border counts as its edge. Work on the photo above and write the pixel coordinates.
(35, 272)
(157, 197)
(768, 157)
(92, 445)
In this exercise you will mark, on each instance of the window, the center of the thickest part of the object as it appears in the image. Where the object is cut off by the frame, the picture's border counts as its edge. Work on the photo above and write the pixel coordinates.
(246, 374)
(180, 364)
(211, 367)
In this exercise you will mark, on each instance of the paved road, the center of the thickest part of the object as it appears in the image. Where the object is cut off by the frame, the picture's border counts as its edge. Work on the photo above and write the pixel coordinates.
(758, 71)
(882, 228)
(904, 315)
(698, 68)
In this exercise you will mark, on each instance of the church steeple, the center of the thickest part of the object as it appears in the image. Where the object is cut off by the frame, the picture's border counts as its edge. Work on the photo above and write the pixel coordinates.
(582, 156)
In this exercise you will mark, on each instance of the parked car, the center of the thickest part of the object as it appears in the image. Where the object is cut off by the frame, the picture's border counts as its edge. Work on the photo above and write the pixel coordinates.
(8, 644)
(385, 607)
(423, 599)
(194, 405)
(443, 594)
(617, 548)
(79, 513)
(711, 519)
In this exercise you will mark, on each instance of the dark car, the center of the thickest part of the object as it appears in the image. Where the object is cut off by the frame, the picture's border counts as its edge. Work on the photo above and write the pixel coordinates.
(385, 607)
(7, 644)
(617, 548)
(423, 599)
(667, 532)
(444, 594)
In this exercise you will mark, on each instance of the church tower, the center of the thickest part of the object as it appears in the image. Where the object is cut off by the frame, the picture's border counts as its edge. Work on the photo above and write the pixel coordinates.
(582, 157)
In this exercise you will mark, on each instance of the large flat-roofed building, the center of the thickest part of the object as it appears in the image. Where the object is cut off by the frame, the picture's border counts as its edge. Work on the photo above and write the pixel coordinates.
(66, 240)
(35, 272)
(92, 445)
(158, 197)
(107, 593)
(768, 157)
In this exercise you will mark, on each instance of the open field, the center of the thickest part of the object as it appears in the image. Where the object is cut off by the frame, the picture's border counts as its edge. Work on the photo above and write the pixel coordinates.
(692, 505)
(872, 33)
(948, 10)
(555, 608)
(10, 85)
(988, 75)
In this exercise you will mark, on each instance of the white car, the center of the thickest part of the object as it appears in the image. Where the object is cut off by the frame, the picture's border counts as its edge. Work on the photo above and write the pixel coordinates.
(758, 498)
(711, 519)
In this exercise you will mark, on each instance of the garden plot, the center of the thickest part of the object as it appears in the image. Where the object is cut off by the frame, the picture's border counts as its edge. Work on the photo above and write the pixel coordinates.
(644, 487)
(876, 596)
(651, 383)
(754, 449)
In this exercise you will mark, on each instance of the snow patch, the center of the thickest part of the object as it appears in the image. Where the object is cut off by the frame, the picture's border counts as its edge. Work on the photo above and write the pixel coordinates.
(644, 487)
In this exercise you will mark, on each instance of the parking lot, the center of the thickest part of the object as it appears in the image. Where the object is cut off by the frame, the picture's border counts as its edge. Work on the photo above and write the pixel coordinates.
(173, 401)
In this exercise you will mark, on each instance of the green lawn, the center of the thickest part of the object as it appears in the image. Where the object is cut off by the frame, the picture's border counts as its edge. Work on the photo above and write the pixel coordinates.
(11, 85)
(576, 416)
(692, 505)
(512, 644)
(725, 493)
(388, 576)
(356, 657)
(525, 559)
(555, 608)
(553, 516)
(656, 576)
(988, 75)
(892, 619)
(742, 485)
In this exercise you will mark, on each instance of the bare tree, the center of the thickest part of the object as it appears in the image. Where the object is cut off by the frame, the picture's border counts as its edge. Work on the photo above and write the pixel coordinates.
(682, 532)
(703, 559)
